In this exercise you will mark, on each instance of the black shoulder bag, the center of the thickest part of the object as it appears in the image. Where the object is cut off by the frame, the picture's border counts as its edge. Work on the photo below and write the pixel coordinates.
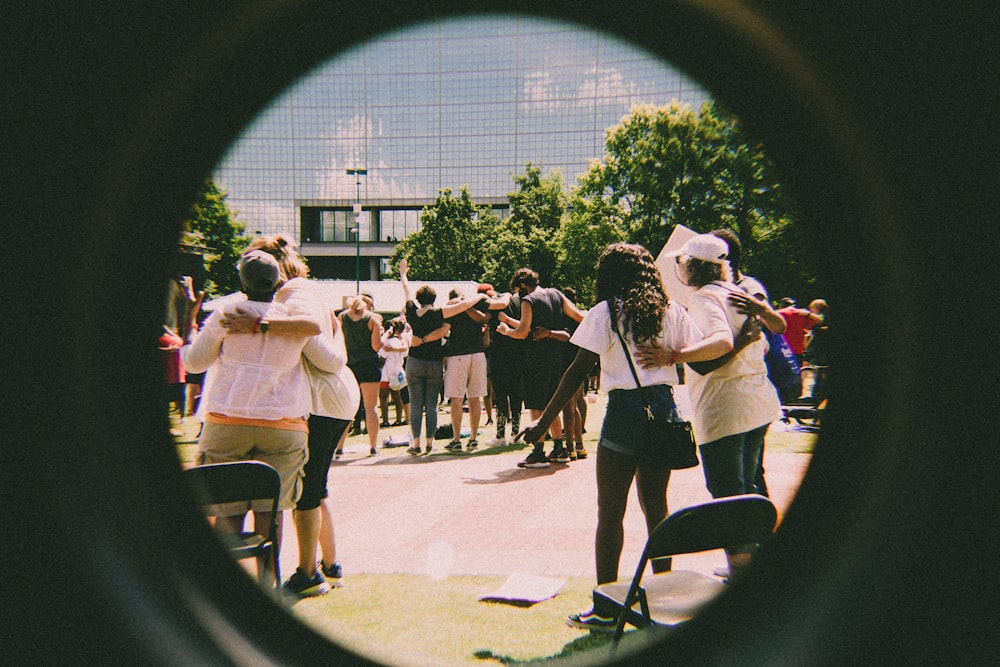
(666, 441)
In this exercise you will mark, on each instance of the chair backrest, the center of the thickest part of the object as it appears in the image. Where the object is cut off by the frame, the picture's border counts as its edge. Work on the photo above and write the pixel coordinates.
(229, 482)
(720, 523)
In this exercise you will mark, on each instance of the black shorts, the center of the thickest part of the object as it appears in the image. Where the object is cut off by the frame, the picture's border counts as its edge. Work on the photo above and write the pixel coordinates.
(542, 374)
(367, 370)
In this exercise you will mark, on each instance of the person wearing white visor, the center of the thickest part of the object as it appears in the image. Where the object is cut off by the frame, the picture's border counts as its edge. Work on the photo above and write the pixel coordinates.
(733, 404)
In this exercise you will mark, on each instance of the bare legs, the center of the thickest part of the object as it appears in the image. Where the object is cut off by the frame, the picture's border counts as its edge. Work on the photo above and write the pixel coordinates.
(475, 414)
(307, 530)
(369, 396)
(327, 545)
(614, 479)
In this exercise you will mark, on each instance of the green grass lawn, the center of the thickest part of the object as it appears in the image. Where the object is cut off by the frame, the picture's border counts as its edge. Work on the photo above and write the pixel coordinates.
(417, 620)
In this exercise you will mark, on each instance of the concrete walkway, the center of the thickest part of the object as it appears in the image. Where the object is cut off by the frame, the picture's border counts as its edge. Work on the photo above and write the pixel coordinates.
(447, 514)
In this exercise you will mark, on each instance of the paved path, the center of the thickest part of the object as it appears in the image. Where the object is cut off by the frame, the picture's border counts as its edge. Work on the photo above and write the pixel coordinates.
(480, 514)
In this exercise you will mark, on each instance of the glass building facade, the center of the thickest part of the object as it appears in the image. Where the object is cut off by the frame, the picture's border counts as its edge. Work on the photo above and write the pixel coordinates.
(464, 102)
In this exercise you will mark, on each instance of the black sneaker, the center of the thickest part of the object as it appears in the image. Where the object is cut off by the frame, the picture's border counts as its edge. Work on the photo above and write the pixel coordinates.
(334, 573)
(535, 460)
(472, 446)
(559, 455)
(304, 586)
(454, 446)
(588, 620)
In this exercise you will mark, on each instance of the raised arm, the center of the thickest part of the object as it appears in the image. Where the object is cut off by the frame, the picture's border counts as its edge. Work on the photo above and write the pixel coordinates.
(755, 306)
(477, 317)
(327, 353)
(749, 332)
(571, 311)
(500, 302)
(541, 333)
(404, 269)
(202, 347)
(437, 334)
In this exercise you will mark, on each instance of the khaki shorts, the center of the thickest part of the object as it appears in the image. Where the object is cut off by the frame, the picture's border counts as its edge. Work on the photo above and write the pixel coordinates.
(465, 375)
(283, 450)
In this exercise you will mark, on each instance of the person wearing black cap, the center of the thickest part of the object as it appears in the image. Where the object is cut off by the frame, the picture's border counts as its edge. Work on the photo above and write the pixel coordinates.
(257, 396)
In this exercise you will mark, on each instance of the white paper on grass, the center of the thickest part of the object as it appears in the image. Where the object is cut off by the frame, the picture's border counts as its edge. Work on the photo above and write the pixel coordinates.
(676, 290)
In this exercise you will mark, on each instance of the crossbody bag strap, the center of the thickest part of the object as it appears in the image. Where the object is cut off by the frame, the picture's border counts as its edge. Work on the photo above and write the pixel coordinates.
(628, 357)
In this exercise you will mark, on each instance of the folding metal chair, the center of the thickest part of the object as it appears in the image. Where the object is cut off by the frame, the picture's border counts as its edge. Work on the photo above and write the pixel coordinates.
(242, 481)
(671, 598)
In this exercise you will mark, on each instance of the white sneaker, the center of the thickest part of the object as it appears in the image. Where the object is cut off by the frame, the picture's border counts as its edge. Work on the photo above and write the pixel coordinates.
(498, 442)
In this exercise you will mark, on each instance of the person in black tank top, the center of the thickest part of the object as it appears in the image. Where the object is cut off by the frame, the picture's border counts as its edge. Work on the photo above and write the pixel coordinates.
(543, 314)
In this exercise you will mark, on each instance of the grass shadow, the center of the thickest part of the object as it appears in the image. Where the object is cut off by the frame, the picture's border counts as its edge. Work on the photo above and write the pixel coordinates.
(584, 644)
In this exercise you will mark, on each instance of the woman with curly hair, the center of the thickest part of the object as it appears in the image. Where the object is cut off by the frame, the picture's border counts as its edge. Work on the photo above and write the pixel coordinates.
(630, 294)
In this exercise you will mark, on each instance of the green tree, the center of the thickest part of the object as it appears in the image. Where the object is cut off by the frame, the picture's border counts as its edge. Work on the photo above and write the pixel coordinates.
(750, 199)
(654, 172)
(213, 225)
(584, 235)
(665, 166)
(450, 242)
(528, 237)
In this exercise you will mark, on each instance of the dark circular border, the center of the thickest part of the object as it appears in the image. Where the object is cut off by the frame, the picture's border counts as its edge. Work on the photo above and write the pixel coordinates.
(154, 94)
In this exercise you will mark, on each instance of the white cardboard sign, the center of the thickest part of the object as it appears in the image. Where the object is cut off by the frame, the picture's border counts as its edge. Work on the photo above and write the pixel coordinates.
(676, 290)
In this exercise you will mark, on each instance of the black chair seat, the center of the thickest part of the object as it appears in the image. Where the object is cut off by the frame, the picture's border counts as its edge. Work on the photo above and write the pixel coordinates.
(671, 598)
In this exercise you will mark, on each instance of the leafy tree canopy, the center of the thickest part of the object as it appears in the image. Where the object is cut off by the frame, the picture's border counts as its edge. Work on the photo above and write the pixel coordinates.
(213, 225)
(451, 240)
(528, 237)
(665, 166)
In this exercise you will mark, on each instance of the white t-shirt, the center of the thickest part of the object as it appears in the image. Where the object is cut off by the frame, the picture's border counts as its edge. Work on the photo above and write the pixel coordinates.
(752, 286)
(596, 335)
(737, 397)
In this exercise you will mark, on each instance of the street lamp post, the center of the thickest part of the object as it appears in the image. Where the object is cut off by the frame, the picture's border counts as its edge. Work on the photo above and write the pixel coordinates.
(357, 173)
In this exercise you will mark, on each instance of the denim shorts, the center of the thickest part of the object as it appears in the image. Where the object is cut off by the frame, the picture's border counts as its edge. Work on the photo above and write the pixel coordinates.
(625, 419)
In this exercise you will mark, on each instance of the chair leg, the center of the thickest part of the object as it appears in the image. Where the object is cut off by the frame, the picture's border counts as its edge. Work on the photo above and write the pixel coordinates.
(266, 565)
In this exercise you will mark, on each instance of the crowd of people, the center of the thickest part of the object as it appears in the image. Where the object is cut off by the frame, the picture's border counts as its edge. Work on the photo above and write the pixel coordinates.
(286, 375)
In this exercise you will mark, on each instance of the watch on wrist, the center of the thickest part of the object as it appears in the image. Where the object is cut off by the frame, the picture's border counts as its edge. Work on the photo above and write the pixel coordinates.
(263, 326)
